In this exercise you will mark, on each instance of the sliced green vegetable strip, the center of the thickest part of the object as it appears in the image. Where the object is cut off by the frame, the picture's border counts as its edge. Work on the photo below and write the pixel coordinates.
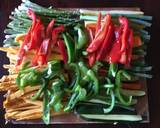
(110, 108)
(82, 36)
(56, 95)
(117, 90)
(70, 44)
(46, 108)
(111, 117)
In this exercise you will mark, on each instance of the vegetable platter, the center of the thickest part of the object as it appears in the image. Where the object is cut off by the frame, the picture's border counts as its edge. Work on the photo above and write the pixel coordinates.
(76, 65)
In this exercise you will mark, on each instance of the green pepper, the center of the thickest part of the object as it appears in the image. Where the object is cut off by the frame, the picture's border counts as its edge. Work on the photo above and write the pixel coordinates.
(109, 86)
(118, 86)
(73, 100)
(46, 107)
(42, 87)
(89, 75)
(53, 69)
(25, 66)
(113, 68)
(70, 44)
(110, 108)
(56, 95)
(82, 36)
(83, 67)
(78, 95)
(28, 77)
(96, 66)
(92, 76)
(76, 75)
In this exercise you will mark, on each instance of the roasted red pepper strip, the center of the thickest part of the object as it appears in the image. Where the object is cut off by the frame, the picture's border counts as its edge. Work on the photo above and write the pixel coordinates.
(55, 33)
(107, 44)
(100, 35)
(62, 50)
(124, 22)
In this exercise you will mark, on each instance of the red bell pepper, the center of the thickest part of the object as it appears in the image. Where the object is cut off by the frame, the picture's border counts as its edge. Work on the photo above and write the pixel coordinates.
(123, 58)
(131, 43)
(122, 49)
(115, 53)
(44, 49)
(91, 34)
(98, 25)
(40, 40)
(37, 36)
(91, 56)
(91, 31)
(107, 44)
(62, 50)
(124, 22)
(32, 15)
(41, 56)
(44, 46)
(36, 57)
(22, 50)
(100, 35)
(24, 47)
(55, 33)
(49, 28)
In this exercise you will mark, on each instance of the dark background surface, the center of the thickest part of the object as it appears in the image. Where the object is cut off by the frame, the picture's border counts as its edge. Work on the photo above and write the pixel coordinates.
(150, 7)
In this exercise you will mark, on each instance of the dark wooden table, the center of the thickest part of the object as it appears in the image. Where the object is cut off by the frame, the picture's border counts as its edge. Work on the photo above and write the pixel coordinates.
(150, 7)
